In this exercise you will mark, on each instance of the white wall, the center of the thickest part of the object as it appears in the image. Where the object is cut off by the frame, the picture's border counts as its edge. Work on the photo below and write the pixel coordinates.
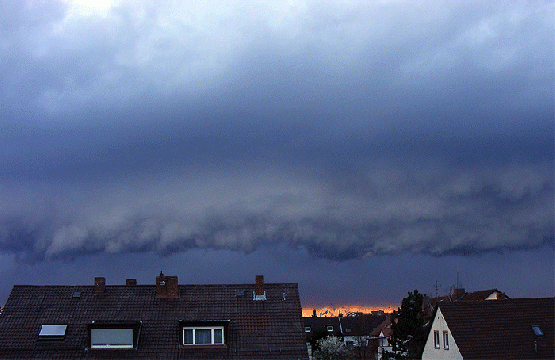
(431, 352)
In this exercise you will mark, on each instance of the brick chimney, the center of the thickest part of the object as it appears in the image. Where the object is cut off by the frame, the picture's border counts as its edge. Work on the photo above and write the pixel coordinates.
(458, 293)
(130, 282)
(99, 285)
(259, 293)
(167, 287)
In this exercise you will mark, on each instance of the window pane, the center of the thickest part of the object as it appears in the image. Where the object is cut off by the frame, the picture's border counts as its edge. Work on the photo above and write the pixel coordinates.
(218, 336)
(436, 339)
(188, 336)
(111, 337)
(203, 336)
(53, 330)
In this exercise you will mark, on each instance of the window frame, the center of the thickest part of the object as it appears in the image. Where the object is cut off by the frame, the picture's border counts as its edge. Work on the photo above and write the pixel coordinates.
(445, 340)
(212, 334)
(204, 325)
(52, 332)
(135, 326)
(437, 340)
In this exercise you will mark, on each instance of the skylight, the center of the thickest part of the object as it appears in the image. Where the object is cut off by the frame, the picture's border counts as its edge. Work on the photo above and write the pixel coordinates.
(537, 330)
(52, 332)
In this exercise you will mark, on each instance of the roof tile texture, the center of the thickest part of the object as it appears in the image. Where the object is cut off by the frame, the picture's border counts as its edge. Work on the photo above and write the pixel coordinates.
(270, 329)
(502, 329)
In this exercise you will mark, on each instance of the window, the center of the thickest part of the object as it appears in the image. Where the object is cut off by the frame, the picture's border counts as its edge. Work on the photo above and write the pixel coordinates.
(436, 339)
(537, 331)
(52, 332)
(112, 338)
(114, 335)
(307, 329)
(203, 335)
(329, 328)
(446, 340)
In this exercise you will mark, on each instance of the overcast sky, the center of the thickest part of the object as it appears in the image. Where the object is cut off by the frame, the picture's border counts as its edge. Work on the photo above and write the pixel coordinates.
(363, 149)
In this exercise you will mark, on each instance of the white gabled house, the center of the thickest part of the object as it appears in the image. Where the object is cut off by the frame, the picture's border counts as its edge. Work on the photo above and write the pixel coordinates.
(440, 344)
(494, 330)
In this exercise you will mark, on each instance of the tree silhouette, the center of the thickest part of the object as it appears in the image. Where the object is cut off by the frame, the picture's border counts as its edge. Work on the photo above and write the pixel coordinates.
(408, 325)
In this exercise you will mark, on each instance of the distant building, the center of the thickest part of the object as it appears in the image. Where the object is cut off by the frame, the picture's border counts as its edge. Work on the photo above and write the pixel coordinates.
(509, 329)
(459, 294)
(355, 331)
(381, 336)
(161, 321)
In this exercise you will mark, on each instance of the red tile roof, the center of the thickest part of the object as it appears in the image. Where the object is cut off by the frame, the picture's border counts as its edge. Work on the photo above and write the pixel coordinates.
(384, 327)
(502, 329)
(270, 329)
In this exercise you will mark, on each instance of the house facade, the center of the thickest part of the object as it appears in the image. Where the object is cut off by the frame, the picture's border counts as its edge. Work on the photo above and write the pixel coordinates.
(161, 321)
(440, 344)
(381, 336)
(507, 329)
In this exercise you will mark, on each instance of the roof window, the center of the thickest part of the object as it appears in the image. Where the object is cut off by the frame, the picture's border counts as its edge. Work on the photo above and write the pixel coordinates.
(537, 330)
(52, 332)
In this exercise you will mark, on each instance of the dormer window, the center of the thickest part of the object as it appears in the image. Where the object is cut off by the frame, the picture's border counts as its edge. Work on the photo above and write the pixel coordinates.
(206, 333)
(52, 332)
(114, 335)
(203, 335)
(112, 338)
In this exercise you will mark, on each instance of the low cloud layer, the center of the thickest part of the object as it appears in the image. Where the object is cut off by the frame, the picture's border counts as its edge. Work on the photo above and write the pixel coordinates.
(352, 211)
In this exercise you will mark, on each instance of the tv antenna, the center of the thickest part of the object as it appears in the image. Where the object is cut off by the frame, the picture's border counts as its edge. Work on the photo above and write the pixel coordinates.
(437, 286)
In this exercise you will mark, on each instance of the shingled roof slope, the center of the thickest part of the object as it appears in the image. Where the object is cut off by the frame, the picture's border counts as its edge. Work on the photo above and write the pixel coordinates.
(361, 325)
(270, 329)
(502, 329)
(483, 295)
(384, 327)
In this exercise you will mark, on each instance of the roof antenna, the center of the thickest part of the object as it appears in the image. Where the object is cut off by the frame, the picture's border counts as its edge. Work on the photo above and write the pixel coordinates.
(436, 287)
(459, 285)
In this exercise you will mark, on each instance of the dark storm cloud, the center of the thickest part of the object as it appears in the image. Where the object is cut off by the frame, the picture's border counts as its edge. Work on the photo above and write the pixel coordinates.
(349, 130)
(338, 201)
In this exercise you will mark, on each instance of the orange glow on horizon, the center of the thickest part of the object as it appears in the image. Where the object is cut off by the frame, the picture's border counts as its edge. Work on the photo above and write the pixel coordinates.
(329, 311)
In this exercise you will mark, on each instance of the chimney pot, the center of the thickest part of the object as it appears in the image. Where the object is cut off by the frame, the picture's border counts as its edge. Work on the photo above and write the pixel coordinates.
(130, 282)
(99, 285)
